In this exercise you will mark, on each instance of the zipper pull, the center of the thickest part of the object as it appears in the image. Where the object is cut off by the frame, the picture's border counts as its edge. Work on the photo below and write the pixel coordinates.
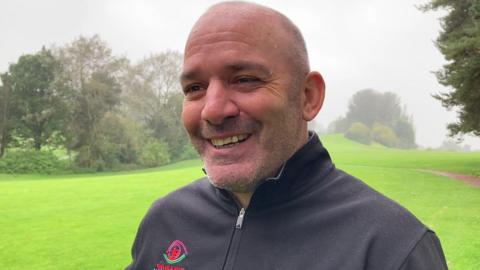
(241, 215)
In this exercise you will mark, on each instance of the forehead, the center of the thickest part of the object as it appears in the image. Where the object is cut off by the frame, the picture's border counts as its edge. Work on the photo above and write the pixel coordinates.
(226, 53)
(232, 41)
(222, 40)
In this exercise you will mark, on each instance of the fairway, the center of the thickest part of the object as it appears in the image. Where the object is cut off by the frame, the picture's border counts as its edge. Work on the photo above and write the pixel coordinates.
(80, 222)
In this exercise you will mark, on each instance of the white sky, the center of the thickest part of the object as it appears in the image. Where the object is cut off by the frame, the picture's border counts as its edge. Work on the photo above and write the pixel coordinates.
(386, 45)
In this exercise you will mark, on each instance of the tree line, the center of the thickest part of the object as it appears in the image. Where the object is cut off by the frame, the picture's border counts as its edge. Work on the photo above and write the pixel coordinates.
(104, 111)
(379, 117)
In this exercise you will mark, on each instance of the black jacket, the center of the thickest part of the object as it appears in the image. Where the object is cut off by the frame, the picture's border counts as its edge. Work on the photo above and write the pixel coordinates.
(312, 216)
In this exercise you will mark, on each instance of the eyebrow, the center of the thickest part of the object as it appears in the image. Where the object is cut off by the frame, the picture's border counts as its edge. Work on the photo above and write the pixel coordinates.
(237, 66)
(249, 66)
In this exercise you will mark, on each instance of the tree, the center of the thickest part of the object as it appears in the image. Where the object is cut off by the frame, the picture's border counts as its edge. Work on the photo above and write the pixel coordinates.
(382, 114)
(6, 115)
(405, 133)
(99, 95)
(40, 104)
(459, 42)
(153, 96)
(369, 106)
(92, 74)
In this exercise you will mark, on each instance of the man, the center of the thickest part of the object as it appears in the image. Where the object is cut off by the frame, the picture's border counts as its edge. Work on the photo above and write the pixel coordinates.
(272, 198)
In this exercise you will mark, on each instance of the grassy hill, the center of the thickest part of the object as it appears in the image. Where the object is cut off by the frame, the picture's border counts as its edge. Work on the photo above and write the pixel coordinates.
(347, 152)
(89, 221)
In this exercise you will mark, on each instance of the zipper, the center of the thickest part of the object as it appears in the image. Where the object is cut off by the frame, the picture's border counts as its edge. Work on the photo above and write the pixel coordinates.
(232, 251)
(240, 218)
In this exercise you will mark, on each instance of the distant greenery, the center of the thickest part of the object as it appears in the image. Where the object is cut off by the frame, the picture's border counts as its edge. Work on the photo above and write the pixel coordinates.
(107, 112)
(89, 221)
(359, 132)
(31, 161)
(378, 117)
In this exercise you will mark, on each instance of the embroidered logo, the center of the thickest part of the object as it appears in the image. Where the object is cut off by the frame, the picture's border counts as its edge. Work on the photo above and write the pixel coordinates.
(176, 252)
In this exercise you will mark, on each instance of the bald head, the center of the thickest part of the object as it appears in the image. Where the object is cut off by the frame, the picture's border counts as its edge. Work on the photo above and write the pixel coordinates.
(259, 20)
(246, 80)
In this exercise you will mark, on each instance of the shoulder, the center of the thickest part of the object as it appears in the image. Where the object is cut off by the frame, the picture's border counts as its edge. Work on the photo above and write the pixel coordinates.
(352, 193)
(391, 231)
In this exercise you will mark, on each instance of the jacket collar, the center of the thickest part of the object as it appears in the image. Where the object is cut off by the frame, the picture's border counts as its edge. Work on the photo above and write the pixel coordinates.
(294, 178)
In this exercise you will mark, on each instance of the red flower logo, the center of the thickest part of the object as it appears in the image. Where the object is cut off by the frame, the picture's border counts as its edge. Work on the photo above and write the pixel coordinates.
(176, 252)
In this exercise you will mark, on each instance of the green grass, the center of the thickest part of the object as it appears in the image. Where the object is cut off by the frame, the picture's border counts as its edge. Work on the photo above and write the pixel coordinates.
(89, 221)
(346, 152)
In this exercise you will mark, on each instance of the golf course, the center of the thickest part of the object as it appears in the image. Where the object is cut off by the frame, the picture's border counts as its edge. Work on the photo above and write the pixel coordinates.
(88, 221)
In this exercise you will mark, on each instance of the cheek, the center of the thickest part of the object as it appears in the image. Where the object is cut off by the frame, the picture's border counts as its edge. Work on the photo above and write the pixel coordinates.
(191, 117)
(264, 107)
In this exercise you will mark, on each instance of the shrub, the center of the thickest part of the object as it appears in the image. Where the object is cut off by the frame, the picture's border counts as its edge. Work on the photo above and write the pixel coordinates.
(384, 135)
(114, 145)
(188, 152)
(359, 132)
(31, 161)
(155, 153)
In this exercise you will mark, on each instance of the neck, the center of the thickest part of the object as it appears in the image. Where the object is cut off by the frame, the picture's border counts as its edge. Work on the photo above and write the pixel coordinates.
(243, 198)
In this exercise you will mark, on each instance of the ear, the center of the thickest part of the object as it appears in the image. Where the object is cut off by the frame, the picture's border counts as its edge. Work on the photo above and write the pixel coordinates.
(313, 95)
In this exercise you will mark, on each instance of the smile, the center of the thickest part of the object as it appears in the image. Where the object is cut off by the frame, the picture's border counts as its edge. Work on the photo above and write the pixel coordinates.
(229, 141)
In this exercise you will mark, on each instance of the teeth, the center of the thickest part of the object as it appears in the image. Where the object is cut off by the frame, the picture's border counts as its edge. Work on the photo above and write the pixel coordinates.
(228, 140)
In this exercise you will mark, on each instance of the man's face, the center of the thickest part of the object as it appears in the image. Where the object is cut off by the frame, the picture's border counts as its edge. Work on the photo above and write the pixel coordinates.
(241, 107)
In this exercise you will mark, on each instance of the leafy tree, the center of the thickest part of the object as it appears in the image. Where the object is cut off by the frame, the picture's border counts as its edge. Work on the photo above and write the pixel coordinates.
(99, 96)
(377, 110)
(40, 105)
(153, 96)
(405, 133)
(369, 106)
(6, 115)
(92, 74)
(459, 42)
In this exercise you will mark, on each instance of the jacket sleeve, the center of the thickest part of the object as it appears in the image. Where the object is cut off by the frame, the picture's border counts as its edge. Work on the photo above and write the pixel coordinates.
(427, 254)
(135, 248)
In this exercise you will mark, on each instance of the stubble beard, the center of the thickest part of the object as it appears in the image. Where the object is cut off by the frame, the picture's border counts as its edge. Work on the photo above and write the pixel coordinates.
(275, 153)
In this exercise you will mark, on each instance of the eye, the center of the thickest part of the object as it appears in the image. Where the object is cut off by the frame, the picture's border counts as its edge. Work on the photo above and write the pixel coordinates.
(192, 88)
(246, 79)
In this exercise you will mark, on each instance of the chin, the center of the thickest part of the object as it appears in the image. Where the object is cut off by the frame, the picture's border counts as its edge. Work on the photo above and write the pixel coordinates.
(232, 180)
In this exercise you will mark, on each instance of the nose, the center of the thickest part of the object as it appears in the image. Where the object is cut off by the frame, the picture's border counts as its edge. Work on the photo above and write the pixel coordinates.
(219, 104)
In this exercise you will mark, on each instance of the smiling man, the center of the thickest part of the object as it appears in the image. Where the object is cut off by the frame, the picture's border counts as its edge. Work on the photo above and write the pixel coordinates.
(272, 198)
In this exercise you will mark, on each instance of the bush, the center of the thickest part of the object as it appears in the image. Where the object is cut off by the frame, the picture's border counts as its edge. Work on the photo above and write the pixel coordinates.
(188, 152)
(384, 135)
(115, 145)
(31, 161)
(154, 153)
(359, 132)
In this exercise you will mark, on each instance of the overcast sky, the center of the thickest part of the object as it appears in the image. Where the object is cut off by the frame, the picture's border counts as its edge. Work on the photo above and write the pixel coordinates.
(386, 45)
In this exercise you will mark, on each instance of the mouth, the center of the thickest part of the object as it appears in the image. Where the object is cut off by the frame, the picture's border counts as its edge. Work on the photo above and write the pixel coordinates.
(229, 141)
